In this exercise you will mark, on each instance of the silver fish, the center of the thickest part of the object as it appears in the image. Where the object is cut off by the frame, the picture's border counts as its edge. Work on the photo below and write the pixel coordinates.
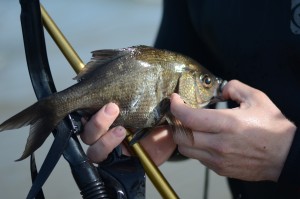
(138, 79)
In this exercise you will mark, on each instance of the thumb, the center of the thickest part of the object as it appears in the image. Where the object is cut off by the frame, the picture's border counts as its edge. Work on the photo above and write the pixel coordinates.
(240, 93)
(205, 120)
(180, 110)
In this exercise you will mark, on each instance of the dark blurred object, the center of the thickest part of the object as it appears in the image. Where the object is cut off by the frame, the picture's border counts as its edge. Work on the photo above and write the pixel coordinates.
(66, 142)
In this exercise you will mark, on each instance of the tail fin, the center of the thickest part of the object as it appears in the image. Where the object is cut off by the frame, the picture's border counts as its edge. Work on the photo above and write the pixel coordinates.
(41, 117)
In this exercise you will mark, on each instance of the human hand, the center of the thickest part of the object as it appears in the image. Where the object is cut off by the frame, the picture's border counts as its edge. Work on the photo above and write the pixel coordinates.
(250, 142)
(102, 140)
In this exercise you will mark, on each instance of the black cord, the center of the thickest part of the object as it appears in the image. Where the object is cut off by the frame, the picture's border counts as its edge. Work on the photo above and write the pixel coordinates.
(206, 183)
(65, 142)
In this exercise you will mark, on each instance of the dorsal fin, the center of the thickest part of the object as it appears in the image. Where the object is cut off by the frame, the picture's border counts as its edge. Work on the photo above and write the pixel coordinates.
(100, 58)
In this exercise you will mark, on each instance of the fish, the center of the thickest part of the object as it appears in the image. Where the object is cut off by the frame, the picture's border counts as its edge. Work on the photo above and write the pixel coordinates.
(139, 79)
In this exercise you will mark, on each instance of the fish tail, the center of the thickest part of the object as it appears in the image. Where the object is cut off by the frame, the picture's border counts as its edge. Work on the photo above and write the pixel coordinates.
(41, 117)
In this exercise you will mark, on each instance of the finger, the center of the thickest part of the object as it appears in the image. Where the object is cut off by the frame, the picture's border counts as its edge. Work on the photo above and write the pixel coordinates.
(205, 120)
(201, 140)
(99, 123)
(206, 158)
(193, 153)
(241, 93)
(100, 149)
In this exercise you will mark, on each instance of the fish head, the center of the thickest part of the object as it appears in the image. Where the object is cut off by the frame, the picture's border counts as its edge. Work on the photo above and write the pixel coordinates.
(198, 87)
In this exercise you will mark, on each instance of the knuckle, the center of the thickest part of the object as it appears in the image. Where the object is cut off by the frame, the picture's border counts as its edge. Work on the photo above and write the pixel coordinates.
(234, 81)
(84, 138)
(220, 166)
(105, 145)
(98, 125)
(257, 95)
(181, 138)
(220, 148)
(190, 120)
(181, 150)
(224, 126)
(95, 156)
(231, 86)
(178, 138)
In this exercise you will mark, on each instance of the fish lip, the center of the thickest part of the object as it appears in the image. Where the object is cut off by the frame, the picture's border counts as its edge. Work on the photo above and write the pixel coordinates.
(218, 95)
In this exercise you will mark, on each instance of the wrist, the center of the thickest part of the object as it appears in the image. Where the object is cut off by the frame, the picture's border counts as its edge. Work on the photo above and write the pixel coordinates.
(290, 172)
(282, 152)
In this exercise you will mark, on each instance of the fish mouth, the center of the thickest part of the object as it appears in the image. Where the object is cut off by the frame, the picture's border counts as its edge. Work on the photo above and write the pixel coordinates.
(218, 94)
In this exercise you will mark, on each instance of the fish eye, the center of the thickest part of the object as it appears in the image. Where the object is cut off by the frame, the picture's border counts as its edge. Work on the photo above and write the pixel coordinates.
(206, 80)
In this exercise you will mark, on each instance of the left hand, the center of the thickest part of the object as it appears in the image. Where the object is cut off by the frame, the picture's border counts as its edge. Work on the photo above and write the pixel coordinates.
(102, 139)
(250, 142)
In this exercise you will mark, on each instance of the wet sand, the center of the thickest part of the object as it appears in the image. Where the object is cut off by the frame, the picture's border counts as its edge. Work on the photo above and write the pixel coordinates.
(89, 25)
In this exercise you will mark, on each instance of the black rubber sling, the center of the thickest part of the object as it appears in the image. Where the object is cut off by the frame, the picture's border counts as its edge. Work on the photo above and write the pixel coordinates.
(124, 176)
(66, 141)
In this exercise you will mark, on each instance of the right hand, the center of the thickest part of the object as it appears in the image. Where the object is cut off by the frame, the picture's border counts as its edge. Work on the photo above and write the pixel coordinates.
(250, 142)
(102, 140)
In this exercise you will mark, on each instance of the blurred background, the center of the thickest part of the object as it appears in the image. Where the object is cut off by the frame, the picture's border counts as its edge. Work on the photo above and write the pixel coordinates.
(88, 25)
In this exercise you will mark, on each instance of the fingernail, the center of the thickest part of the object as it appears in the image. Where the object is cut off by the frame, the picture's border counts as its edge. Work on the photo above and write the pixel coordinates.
(119, 131)
(111, 109)
(176, 97)
(173, 96)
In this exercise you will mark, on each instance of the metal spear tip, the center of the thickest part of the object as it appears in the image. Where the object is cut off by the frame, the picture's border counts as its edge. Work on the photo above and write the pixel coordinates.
(138, 135)
(218, 95)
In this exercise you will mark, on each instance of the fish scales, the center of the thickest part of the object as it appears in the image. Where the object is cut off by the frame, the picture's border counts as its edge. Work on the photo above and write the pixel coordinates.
(138, 79)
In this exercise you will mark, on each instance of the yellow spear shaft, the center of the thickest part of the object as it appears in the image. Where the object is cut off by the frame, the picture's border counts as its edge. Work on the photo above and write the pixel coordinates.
(60, 40)
(152, 171)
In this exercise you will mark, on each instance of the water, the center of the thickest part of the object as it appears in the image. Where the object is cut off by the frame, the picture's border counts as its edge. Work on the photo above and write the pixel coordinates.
(88, 25)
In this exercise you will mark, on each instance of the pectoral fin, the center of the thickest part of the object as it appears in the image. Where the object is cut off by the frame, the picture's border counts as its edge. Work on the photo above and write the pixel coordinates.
(179, 129)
